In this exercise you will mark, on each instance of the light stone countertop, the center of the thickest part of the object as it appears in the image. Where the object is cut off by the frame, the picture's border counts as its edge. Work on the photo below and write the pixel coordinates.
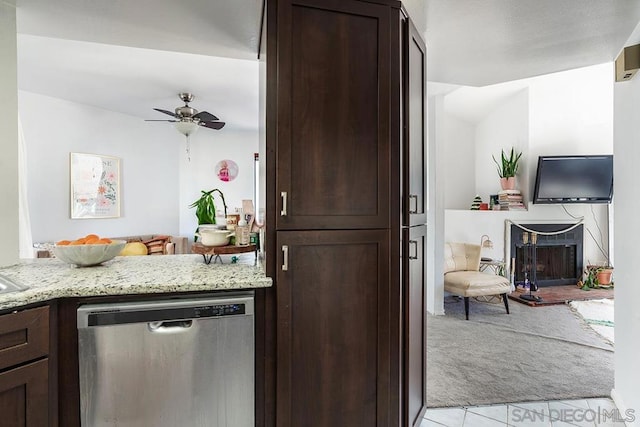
(51, 278)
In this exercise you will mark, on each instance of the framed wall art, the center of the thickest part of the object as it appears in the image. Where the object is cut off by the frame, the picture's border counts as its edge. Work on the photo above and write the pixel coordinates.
(226, 170)
(95, 186)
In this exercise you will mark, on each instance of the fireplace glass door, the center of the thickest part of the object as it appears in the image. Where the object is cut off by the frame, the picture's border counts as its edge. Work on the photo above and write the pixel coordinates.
(558, 254)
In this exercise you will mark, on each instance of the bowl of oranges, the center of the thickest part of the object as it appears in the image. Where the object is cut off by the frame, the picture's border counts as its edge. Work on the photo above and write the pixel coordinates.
(88, 250)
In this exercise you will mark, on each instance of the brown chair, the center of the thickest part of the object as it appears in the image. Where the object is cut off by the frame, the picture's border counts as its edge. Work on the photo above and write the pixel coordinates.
(462, 278)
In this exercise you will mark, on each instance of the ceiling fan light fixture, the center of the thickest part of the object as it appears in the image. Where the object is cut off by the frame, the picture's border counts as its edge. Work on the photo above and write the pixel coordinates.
(186, 127)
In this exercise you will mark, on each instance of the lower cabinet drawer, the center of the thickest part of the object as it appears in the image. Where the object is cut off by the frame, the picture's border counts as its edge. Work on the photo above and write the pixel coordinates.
(24, 395)
(24, 336)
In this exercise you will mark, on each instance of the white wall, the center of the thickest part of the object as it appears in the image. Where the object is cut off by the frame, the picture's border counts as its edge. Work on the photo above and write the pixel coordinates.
(417, 10)
(8, 136)
(436, 182)
(627, 233)
(199, 173)
(459, 157)
(157, 181)
(505, 127)
(149, 171)
(572, 110)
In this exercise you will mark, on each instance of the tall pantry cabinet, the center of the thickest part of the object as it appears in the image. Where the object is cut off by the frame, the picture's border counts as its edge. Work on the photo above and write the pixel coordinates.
(343, 341)
(414, 229)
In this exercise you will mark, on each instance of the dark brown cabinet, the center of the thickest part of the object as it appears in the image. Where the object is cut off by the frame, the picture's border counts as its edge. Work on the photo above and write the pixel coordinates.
(24, 368)
(414, 218)
(333, 115)
(333, 341)
(414, 170)
(414, 322)
(344, 333)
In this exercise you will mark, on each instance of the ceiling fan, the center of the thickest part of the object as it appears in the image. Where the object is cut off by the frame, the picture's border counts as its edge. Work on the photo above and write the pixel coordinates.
(187, 119)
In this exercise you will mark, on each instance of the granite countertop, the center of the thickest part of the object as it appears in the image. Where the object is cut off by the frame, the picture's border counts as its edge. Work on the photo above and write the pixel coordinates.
(50, 278)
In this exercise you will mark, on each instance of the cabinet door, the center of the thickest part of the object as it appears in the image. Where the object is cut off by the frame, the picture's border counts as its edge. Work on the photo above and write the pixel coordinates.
(24, 395)
(333, 333)
(333, 114)
(414, 179)
(24, 336)
(415, 332)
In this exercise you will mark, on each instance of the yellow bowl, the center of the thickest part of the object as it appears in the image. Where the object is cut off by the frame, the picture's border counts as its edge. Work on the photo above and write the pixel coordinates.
(88, 255)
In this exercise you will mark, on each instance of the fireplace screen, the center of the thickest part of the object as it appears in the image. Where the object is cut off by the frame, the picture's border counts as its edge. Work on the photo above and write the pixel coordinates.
(558, 258)
(552, 263)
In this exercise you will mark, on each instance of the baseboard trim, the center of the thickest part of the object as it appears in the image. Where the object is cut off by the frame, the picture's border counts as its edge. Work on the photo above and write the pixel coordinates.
(622, 408)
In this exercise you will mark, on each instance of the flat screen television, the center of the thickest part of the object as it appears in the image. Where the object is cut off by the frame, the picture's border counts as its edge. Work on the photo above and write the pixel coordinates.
(574, 179)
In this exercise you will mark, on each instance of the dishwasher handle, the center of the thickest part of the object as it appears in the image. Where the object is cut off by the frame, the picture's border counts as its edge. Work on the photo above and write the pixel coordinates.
(170, 326)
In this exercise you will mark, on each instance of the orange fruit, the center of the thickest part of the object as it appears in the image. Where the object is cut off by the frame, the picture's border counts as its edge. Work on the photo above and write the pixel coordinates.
(91, 236)
(91, 240)
(105, 241)
(77, 242)
(63, 242)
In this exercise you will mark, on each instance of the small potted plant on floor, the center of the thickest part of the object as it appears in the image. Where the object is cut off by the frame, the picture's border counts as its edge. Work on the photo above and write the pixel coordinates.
(597, 276)
(508, 168)
(603, 275)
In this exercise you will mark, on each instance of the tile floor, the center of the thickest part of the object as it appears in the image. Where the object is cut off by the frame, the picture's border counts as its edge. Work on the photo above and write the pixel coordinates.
(557, 413)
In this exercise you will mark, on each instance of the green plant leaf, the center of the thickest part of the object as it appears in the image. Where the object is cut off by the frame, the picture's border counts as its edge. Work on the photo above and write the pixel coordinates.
(508, 165)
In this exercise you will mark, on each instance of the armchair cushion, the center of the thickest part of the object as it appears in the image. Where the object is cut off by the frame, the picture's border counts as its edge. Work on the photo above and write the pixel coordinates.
(475, 283)
(461, 257)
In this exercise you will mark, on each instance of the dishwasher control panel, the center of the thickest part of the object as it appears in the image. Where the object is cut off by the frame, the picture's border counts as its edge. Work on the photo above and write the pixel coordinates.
(174, 310)
(218, 310)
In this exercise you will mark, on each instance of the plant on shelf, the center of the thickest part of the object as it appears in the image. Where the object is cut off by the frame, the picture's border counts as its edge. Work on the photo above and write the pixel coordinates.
(508, 168)
(206, 208)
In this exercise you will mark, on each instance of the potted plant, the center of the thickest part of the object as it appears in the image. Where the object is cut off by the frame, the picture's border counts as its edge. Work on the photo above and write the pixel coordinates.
(596, 276)
(206, 208)
(508, 168)
(603, 275)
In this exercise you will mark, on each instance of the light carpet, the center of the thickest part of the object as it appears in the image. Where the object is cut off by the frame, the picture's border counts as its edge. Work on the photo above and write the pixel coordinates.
(541, 353)
(598, 314)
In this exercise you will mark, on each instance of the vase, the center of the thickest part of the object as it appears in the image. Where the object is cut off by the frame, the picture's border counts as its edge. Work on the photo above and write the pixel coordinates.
(604, 276)
(508, 183)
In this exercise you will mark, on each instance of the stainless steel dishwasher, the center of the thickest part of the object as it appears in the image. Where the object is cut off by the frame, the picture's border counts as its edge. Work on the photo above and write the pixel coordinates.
(180, 362)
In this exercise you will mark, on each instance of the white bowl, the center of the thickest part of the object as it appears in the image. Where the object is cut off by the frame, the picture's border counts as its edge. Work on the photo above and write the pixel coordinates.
(203, 227)
(88, 255)
(210, 237)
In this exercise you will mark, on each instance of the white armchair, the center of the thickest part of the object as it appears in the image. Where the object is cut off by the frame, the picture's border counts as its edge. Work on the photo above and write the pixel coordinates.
(461, 275)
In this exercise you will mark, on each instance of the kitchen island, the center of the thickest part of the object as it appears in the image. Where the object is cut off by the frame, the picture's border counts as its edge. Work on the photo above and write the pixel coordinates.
(39, 325)
(49, 279)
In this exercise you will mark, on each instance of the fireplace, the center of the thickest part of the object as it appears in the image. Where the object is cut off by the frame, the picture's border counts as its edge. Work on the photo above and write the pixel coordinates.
(558, 256)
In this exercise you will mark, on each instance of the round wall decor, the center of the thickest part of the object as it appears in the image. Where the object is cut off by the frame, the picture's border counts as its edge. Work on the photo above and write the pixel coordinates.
(226, 170)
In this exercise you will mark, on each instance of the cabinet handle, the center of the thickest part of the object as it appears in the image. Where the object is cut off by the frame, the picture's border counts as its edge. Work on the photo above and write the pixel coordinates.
(285, 257)
(283, 212)
(413, 243)
(415, 209)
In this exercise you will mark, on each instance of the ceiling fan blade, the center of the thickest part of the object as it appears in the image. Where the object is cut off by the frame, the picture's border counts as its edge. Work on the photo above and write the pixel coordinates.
(212, 125)
(205, 116)
(166, 112)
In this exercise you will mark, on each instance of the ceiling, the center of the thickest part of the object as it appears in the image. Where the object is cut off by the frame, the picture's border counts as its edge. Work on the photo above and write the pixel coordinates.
(205, 27)
(483, 42)
(133, 81)
(132, 56)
